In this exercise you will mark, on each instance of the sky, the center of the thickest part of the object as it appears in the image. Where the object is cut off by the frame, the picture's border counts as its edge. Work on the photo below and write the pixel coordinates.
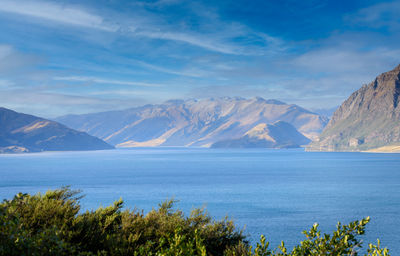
(62, 57)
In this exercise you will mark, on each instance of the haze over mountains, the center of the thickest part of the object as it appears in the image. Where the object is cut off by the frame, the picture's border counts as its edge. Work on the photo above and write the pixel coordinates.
(194, 122)
(368, 119)
(26, 133)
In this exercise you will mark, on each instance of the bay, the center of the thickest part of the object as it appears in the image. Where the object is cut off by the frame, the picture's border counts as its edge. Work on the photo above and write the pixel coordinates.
(277, 193)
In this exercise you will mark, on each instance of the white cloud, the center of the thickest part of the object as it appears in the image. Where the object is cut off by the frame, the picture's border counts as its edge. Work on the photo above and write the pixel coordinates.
(146, 25)
(56, 12)
(195, 40)
(220, 40)
(188, 73)
(102, 81)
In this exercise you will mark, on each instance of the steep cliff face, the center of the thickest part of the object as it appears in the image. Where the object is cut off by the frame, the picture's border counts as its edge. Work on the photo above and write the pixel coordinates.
(21, 133)
(192, 122)
(368, 119)
(277, 135)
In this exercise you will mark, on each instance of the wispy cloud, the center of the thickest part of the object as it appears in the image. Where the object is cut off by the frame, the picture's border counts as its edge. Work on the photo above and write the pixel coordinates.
(56, 12)
(38, 103)
(195, 40)
(164, 2)
(102, 81)
(5, 50)
(384, 14)
(145, 25)
(14, 62)
(185, 72)
(343, 59)
(4, 83)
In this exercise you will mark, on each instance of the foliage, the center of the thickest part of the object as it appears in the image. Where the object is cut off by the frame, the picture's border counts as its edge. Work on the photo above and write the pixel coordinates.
(343, 241)
(52, 224)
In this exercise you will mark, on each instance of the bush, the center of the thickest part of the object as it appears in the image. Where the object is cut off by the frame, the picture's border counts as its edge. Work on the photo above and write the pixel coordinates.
(51, 224)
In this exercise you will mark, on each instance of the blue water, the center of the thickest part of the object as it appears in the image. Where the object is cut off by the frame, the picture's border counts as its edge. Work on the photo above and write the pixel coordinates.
(278, 193)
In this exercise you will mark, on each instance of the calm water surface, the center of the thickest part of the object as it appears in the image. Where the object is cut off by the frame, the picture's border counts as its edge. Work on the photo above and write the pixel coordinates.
(273, 192)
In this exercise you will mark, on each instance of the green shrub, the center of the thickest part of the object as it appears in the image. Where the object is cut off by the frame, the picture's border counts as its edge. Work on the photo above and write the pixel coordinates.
(52, 224)
(343, 241)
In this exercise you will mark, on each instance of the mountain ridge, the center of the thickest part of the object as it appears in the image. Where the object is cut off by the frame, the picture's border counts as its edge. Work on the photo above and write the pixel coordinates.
(22, 133)
(279, 134)
(192, 122)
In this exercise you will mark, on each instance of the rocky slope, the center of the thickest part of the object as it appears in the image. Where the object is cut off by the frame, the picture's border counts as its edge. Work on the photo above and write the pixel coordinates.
(277, 135)
(25, 133)
(369, 118)
(192, 122)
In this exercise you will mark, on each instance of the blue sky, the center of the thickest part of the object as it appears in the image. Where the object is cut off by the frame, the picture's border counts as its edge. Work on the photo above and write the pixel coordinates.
(60, 57)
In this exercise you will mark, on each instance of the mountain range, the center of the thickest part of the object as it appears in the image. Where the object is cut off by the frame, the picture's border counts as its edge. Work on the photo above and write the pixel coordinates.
(368, 120)
(21, 133)
(194, 122)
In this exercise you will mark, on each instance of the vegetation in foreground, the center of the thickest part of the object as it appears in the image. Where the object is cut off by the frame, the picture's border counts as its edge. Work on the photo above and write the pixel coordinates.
(51, 224)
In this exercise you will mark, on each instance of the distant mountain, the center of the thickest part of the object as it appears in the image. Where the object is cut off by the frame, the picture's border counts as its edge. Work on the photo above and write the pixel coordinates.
(369, 118)
(192, 122)
(25, 133)
(328, 112)
(277, 135)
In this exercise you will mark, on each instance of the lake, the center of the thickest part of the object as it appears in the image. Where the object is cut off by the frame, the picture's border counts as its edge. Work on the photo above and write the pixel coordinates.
(278, 193)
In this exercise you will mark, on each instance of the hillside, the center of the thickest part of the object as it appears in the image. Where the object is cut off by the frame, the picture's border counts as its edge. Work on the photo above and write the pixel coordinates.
(277, 135)
(368, 119)
(192, 122)
(26, 133)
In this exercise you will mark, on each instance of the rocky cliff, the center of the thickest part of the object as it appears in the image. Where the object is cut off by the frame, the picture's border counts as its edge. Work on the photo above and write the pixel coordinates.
(369, 118)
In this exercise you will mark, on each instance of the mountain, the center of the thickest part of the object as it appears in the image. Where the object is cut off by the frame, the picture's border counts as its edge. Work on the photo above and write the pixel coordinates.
(277, 135)
(368, 119)
(25, 133)
(192, 122)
